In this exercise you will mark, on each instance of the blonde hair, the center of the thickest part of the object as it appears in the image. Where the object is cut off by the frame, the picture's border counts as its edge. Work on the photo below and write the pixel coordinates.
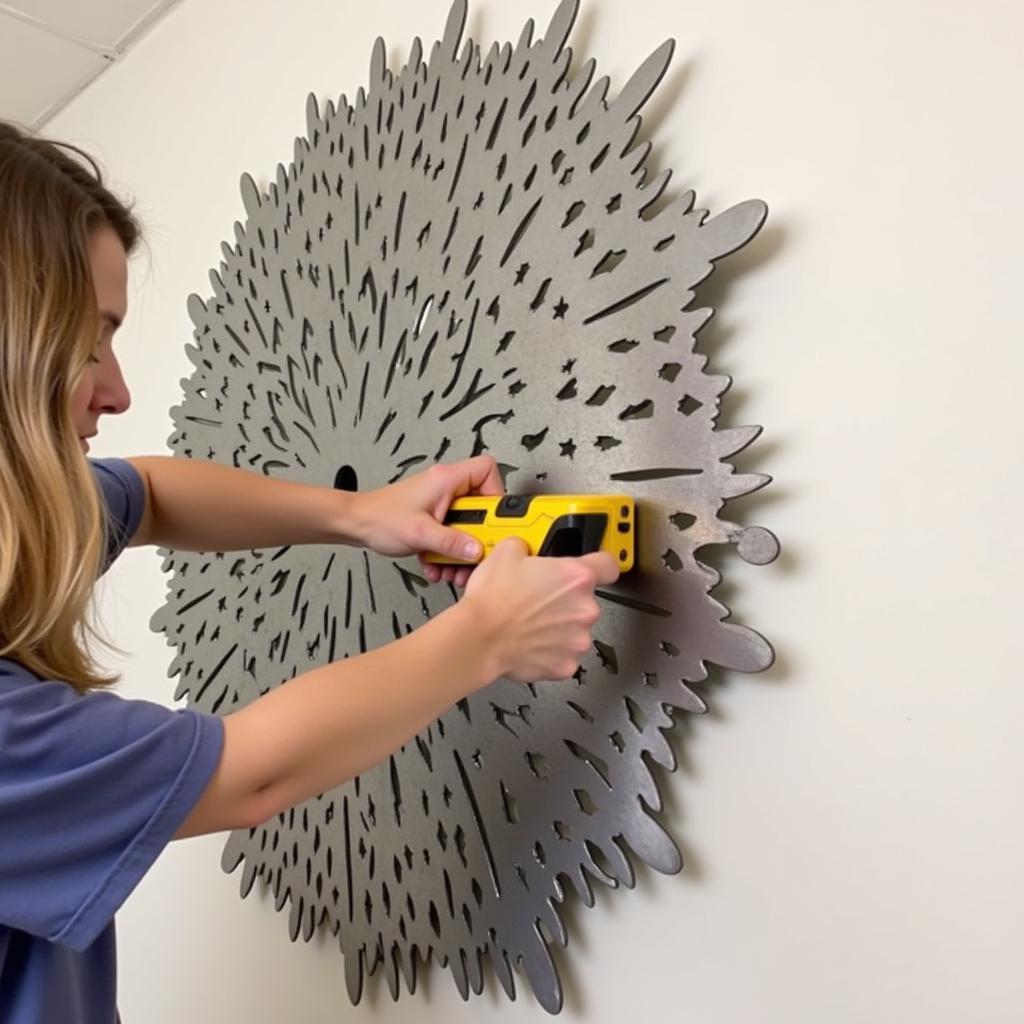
(52, 529)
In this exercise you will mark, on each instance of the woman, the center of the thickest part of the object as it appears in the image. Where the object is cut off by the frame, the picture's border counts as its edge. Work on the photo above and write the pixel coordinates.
(93, 786)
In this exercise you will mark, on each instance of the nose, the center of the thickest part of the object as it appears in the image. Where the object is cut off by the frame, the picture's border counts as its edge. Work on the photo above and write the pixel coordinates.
(111, 394)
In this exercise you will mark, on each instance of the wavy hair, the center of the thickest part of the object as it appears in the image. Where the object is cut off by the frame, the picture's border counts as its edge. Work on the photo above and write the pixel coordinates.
(52, 527)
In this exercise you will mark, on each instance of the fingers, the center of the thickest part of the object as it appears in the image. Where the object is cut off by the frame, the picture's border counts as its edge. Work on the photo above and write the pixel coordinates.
(478, 475)
(484, 476)
(424, 534)
(461, 575)
(435, 573)
(603, 565)
(455, 544)
(600, 563)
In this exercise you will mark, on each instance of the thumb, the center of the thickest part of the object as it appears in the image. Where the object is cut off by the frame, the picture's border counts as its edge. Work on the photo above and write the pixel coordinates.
(452, 543)
(604, 567)
(511, 548)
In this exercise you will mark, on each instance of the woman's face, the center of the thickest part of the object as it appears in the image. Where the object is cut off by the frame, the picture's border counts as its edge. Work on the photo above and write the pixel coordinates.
(102, 388)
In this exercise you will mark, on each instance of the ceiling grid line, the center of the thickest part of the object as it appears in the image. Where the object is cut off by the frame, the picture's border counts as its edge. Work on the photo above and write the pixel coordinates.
(50, 51)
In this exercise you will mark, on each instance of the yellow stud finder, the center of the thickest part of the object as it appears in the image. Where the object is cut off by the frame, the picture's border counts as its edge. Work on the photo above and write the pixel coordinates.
(550, 524)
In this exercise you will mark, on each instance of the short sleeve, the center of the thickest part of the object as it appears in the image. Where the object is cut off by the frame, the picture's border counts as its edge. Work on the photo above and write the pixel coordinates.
(92, 788)
(124, 495)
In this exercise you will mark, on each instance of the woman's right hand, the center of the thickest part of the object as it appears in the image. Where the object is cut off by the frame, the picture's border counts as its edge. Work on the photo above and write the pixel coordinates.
(521, 617)
(538, 613)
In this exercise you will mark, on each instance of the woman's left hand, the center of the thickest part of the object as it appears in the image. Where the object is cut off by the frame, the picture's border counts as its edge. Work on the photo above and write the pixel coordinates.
(406, 518)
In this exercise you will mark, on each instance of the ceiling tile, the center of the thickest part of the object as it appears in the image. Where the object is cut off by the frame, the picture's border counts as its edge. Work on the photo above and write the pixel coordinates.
(38, 70)
(100, 22)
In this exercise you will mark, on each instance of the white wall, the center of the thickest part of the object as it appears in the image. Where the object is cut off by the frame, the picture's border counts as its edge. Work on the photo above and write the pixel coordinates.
(852, 818)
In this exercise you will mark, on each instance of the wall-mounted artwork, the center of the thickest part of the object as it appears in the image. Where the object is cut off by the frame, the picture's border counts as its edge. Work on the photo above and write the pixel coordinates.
(470, 256)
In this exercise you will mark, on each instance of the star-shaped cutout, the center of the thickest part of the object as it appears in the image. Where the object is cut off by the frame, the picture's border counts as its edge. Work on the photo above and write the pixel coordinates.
(561, 309)
(568, 448)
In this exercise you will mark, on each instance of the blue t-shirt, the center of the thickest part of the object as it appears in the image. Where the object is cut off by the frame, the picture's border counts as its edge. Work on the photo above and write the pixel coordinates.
(92, 788)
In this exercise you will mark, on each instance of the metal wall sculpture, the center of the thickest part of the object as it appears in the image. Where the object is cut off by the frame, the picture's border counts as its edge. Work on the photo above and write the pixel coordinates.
(469, 257)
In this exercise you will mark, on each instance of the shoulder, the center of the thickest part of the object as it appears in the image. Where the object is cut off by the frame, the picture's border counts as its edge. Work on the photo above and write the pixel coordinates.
(119, 481)
(124, 494)
(18, 684)
(35, 714)
(38, 711)
(92, 788)
(48, 721)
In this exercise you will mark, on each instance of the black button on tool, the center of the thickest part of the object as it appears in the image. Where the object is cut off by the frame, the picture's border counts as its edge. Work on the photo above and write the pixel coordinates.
(512, 506)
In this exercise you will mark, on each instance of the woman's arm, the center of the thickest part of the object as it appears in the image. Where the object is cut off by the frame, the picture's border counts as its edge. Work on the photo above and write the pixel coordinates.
(202, 506)
(524, 618)
(328, 725)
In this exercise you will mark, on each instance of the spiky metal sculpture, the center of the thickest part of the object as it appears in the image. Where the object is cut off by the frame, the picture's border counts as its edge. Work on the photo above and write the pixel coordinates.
(468, 258)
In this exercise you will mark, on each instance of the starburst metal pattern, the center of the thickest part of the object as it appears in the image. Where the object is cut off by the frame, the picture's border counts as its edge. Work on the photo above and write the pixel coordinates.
(468, 258)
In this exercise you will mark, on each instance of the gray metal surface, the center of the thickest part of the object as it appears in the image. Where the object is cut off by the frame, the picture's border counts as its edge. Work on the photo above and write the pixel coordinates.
(466, 258)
